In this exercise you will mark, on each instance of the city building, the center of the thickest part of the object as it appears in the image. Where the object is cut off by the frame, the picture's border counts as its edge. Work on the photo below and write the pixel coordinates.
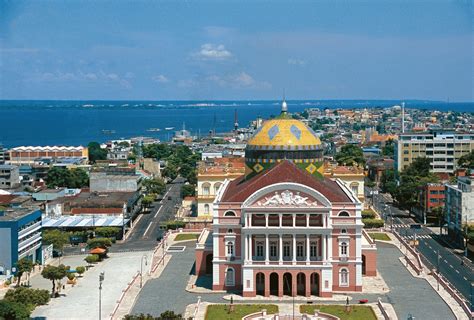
(211, 176)
(114, 179)
(3, 155)
(377, 167)
(443, 148)
(459, 207)
(29, 154)
(352, 176)
(20, 236)
(9, 176)
(281, 229)
(431, 196)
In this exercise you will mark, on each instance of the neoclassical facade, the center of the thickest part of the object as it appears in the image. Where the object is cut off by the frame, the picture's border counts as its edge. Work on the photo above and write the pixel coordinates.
(286, 231)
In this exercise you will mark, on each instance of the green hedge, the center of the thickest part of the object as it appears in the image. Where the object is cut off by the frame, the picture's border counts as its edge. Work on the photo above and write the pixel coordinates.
(368, 214)
(373, 223)
(173, 225)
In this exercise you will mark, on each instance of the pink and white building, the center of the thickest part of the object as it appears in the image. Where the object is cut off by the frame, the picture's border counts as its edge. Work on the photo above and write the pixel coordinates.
(284, 232)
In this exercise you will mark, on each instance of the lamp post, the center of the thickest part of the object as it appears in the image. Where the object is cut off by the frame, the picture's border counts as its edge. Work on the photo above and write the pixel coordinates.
(141, 269)
(101, 279)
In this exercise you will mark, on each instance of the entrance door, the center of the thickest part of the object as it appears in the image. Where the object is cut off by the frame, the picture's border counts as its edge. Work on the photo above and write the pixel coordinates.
(209, 264)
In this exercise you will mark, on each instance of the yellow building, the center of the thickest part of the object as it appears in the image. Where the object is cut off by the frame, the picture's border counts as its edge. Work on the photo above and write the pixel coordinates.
(351, 176)
(211, 175)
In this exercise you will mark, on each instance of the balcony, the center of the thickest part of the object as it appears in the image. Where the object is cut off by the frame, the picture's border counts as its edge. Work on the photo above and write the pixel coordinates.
(29, 229)
(27, 242)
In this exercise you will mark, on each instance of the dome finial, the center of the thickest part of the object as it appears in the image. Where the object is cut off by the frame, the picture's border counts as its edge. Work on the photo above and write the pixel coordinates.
(284, 106)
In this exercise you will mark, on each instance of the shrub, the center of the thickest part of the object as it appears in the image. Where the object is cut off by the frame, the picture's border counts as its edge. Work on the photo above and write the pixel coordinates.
(107, 232)
(14, 310)
(173, 225)
(92, 258)
(71, 276)
(24, 295)
(373, 223)
(80, 270)
(368, 214)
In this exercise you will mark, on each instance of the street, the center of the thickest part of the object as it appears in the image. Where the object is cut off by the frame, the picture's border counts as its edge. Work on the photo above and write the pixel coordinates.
(435, 253)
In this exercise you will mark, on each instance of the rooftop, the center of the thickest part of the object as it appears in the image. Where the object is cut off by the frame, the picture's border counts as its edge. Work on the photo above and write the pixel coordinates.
(17, 213)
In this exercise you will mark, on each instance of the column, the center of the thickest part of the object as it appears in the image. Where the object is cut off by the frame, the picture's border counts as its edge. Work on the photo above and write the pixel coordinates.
(246, 258)
(323, 247)
(250, 248)
(294, 220)
(294, 249)
(249, 217)
(280, 249)
(267, 256)
(294, 284)
(307, 284)
(308, 254)
(266, 220)
(266, 290)
(307, 220)
(280, 285)
(280, 220)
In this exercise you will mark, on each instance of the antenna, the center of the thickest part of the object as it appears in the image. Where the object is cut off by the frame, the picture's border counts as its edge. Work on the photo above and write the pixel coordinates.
(403, 117)
(236, 121)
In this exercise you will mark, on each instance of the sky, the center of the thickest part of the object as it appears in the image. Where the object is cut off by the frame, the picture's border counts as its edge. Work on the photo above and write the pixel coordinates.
(243, 50)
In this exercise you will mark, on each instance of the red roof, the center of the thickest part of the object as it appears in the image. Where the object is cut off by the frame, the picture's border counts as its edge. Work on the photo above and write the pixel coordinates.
(7, 199)
(240, 189)
(96, 210)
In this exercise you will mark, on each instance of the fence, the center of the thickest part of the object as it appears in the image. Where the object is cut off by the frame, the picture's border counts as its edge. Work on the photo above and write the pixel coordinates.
(410, 249)
(452, 291)
(382, 309)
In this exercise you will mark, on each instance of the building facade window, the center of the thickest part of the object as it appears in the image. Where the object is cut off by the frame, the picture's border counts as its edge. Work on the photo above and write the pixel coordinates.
(259, 249)
(230, 249)
(343, 277)
(355, 188)
(299, 249)
(313, 249)
(273, 249)
(216, 187)
(229, 214)
(206, 189)
(230, 277)
(206, 209)
(286, 249)
(343, 249)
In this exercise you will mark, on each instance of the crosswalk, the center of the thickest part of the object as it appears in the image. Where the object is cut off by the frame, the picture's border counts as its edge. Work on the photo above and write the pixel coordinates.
(399, 225)
(422, 236)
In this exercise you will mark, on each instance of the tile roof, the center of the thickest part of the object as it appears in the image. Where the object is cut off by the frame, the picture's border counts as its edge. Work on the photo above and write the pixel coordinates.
(240, 189)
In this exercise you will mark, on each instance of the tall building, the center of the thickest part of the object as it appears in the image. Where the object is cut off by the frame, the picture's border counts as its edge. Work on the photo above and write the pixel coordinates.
(20, 236)
(28, 155)
(443, 148)
(282, 228)
(459, 207)
(9, 176)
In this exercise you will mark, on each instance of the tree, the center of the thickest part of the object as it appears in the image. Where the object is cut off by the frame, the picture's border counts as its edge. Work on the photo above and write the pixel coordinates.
(156, 186)
(389, 149)
(147, 201)
(107, 232)
(27, 296)
(99, 243)
(63, 177)
(14, 310)
(55, 237)
(170, 172)
(188, 190)
(96, 152)
(467, 161)
(350, 155)
(80, 270)
(23, 265)
(54, 274)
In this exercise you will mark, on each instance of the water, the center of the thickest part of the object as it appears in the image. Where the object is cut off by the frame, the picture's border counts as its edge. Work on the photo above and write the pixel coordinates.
(79, 122)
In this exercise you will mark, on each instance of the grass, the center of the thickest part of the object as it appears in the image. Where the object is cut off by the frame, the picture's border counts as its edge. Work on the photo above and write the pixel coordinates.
(357, 312)
(186, 236)
(220, 311)
(379, 236)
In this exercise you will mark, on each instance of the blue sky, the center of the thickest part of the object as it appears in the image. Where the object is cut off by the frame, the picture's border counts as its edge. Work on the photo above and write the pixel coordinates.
(152, 50)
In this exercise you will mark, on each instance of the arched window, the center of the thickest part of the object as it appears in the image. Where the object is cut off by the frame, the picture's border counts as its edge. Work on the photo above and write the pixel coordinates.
(343, 231)
(343, 277)
(343, 248)
(230, 231)
(217, 185)
(206, 187)
(206, 209)
(230, 277)
(229, 214)
(230, 248)
(343, 214)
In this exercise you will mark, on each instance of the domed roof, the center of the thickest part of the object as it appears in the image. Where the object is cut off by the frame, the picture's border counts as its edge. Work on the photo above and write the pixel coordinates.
(284, 134)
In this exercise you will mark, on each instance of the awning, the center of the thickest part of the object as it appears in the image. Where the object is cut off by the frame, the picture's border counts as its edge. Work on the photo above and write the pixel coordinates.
(83, 222)
(97, 251)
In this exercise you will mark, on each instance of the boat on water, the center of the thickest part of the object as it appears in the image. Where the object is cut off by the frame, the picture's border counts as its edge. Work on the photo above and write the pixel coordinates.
(153, 130)
(169, 128)
(87, 105)
(106, 131)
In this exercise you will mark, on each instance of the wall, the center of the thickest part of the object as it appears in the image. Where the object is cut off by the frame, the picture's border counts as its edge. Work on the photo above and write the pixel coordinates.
(5, 247)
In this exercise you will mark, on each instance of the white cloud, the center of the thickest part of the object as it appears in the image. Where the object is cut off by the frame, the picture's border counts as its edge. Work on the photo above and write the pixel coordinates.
(238, 81)
(211, 51)
(297, 62)
(160, 78)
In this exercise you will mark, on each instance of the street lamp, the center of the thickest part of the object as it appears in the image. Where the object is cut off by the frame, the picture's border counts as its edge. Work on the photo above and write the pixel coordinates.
(101, 279)
(141, 269)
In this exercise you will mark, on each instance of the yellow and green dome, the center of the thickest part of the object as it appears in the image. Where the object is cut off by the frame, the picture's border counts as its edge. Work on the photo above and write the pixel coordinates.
(284, 138)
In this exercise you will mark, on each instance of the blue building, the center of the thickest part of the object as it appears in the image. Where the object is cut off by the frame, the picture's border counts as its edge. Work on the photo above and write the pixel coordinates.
(20, 236)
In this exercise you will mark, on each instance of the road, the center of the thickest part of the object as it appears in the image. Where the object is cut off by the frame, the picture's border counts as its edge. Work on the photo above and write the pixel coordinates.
(434, 252)
(147, 227)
